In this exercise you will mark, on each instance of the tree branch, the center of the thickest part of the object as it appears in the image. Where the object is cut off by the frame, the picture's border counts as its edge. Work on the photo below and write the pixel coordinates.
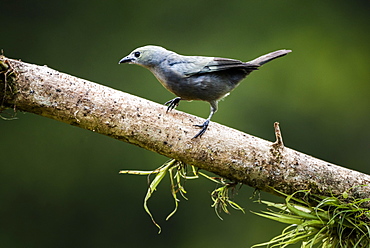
(229, 153)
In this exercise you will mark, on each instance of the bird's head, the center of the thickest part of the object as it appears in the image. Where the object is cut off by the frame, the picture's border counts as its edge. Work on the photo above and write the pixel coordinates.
(147, 56)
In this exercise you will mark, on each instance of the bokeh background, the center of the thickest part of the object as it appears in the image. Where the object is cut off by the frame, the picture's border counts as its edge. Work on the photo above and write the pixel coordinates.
(60, 185)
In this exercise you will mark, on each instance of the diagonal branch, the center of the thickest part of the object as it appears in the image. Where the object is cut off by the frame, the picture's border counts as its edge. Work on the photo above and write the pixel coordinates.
(227, 152)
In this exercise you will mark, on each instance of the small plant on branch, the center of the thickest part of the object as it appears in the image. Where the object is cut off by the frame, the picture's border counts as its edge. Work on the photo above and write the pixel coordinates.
(178, 173)
(320, 221)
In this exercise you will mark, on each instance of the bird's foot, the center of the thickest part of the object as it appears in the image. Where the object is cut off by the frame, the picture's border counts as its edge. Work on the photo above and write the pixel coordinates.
(204, 127)
(172, 103)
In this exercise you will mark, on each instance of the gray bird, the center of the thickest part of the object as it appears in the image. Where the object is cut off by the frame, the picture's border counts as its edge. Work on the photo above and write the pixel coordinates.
(195, 77)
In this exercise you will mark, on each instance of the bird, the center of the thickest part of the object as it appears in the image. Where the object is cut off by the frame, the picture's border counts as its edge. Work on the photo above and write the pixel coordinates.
(196, 77)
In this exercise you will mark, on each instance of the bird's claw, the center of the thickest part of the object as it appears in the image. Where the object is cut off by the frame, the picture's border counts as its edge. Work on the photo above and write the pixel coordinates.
(172, 103)
(204, 127)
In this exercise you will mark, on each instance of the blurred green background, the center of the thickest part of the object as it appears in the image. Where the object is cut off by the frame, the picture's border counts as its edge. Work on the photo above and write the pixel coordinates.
(60, 185)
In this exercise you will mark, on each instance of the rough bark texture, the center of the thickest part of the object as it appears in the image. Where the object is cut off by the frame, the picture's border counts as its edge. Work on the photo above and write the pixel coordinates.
(227, 152)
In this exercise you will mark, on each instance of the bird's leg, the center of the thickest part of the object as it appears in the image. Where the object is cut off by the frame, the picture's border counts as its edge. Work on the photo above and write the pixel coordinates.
(172, 103)
(204, 126)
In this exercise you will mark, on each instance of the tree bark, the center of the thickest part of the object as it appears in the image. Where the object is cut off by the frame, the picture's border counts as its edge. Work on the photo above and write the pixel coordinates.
(227, 152)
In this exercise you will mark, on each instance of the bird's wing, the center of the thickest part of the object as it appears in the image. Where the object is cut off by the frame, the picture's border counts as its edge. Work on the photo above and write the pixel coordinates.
(213, 65)
(187, 65)
(220, 64)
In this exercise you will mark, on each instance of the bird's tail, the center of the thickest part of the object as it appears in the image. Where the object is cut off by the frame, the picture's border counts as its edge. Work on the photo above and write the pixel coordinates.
(268, 57)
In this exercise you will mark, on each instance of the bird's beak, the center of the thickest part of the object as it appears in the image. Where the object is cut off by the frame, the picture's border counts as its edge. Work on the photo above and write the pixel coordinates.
(126, 59)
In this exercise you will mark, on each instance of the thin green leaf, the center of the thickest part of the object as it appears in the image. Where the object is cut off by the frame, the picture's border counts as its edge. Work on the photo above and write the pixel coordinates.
(152, 187)
(287, 219)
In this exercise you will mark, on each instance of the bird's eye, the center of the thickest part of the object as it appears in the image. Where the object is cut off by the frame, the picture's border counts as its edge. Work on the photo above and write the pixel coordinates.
(137, 54)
